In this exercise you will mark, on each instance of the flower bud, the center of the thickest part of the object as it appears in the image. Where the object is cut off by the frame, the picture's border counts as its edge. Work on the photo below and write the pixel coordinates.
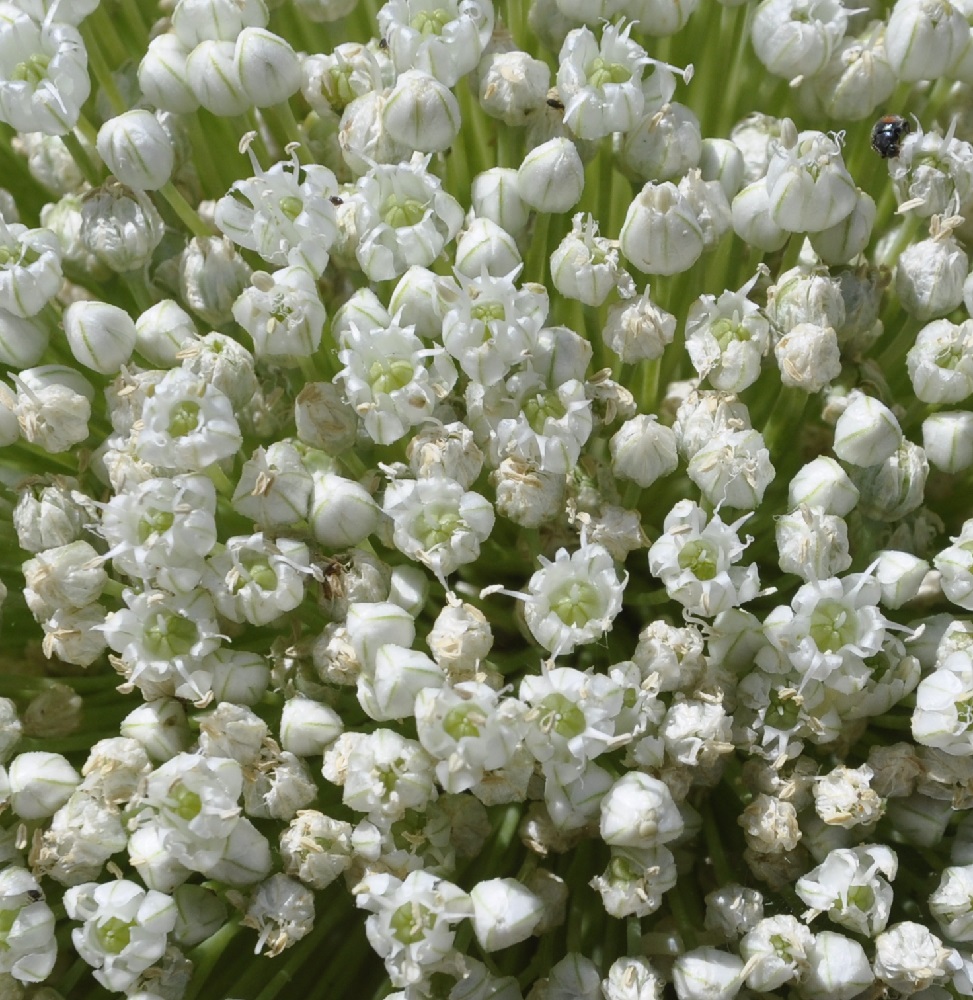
(342, 511)
(512, 85)
(661, 234)
(639, 811)
(213, 75)
(846, 239)
(159, 726)
(409, 588)
(495, 195)
(505, 912)
(837, 968)
(752, 221)
(120, 227)
(793, 40)
(721, 160)
(663, 146)
(40, 783)
(307, 726)
(421, 113)
(388, 690)
(324, 418)
(643, 450)
(372, 625)
(707, 974)
(900, 575)
(551, 178)
(195, 21)
(823, 483)
(808, 357)
(161, 331)
(137, 150)
(212, 274)
(22, 341)
(867, 432)
(239, 677)
(895, 487)
(929, 275)
(923, 38)
(163, 77)
(639, 330)
(947, 439)
(267, 66)
(484, 246)
(101, 336)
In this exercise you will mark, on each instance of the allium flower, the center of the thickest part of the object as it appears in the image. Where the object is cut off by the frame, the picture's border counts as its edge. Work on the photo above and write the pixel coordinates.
(43, 74)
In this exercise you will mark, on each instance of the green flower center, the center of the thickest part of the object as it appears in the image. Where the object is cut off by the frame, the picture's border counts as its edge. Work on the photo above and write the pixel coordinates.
(155, 522)
(7, 919)
(259, 571)
(411, 922)
(783, 713)
(340, 93)
(576, 603)
(291, 206)
(438, 526)
(389, 374)
(184, 419)
(488, 312)
(401, 214)
(114, 935)
(861, 896)
(33, 69)
(601, 72)
(186, 804)
(540, 408)
(563, 716)
(726, 331)
(170, 635)
(700, 558)
(832, 626)
(464, 720)
(431, 22)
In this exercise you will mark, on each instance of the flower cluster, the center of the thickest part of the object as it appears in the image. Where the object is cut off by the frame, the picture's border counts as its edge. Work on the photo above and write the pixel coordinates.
(484, 499)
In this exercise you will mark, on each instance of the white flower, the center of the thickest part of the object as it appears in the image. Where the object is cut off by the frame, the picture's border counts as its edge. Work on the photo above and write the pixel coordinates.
(43, 74)
(574, 599)
(586, 266)
(402, 217)
(391, 380)
(726, 338)
(124, 930)
(844, 797)
(187, 424)
(707, 974)
(284, 213)
(30, 267)
(693, 558)
(943, 715)
(505, 912)
(775, 951)
(257, 579)
(437, 523)
(601, 82)
(29, 947)
(849, 887)
(908, 958)
(444, 39)
(951, 903)
(795, 38)
(411, 922)
(282, 912)
(955, 564)
(808, 185)
(940, 362)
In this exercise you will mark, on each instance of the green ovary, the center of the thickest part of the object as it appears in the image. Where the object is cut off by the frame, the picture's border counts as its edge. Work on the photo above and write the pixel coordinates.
(386, 376)
(463, 720)
(401, 214)
(410, 922)
(542, 407)
(699, 558)
(183, 419)
(601, 72)
(170, 635)
(33, 69)
(576, 603)
(114, 935)
(431, 22)
(832, 626)
(562, 715)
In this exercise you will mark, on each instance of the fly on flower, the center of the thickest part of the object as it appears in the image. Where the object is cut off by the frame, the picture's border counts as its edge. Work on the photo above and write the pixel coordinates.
(887, 135)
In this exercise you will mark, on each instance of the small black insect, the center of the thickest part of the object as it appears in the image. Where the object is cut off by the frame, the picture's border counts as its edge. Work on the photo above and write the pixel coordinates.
(887, 135)
(555, 103)
(34, 895)
(336, 201)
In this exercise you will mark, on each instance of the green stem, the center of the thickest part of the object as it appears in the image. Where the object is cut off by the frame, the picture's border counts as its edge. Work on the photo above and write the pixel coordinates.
(187, 214)
(80, 156)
